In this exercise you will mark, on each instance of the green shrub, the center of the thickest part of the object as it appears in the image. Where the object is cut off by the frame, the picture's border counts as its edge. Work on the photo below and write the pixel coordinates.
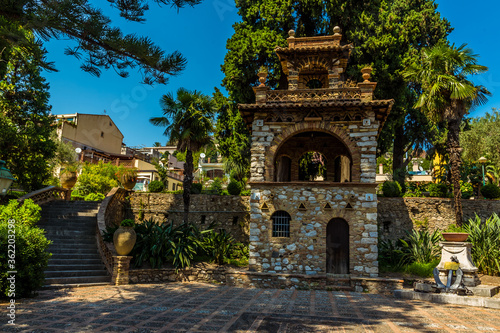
(216, 186)
(196, 188)
(31, 256)
(466, 189)
(97, 178)
(28, 213)
(108, 234)
(127, 223)
(234, 188)
(246, 193)
(95, 197)
(421, 269)
(218, 245)
(391, 189)
(490, 191)
(439, 190)
(75, 195)
(156, 186)
(485, 239)
(390, 253)
(421, 246)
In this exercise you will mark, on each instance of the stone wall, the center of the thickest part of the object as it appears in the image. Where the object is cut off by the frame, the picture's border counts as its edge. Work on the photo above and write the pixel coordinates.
(304, 251)
(230, 213)
(398, 215)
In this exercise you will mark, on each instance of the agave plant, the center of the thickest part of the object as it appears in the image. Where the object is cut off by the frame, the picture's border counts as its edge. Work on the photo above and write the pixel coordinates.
(485, 239)
(421, 246)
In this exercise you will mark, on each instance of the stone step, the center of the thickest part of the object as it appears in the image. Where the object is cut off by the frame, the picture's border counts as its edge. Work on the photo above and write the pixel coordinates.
(77, 279)
(66, 215)
(75, 273)
(69, 233)
(53, 267)
(74, 285)
(76, 256)
(79, 250)
(74, 261)
(84, 239)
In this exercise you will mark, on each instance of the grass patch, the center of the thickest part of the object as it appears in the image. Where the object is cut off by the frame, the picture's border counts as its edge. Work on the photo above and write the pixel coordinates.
(421, 269)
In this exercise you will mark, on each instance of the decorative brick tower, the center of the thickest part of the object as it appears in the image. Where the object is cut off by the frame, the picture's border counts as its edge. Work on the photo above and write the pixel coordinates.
(325, 223)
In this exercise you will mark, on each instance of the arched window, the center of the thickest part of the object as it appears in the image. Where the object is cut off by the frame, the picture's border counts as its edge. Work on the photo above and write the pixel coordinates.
(281, 224)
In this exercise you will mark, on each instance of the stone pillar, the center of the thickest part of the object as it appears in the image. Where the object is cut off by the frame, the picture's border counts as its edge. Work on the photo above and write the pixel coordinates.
(462, 250)
(121, 265)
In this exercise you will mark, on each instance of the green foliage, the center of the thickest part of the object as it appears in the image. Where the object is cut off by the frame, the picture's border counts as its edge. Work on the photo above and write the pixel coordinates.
(108, 234)
(386, 163)
(485, 239)
(162, 170)
(97, 178)
(246, 193)
(31, 256)
(454, 228)
(127, 223)
(438, 190)
(390, 254)
(467, 189)
(311, 166)
(156, 186)
(196, 188)
(391, 189)
(421, 269)
(26, 214)
(234, 188)
(421, 246)
(481, 137)
(218, 245)
(94, 197)
(96, 43)
(216, 186)
(26, 140)
(75, 195)
(125, 175)
(490, 191)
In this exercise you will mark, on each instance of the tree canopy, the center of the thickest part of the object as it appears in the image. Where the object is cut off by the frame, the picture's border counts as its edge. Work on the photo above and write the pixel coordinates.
(25, 122)
(99, 45)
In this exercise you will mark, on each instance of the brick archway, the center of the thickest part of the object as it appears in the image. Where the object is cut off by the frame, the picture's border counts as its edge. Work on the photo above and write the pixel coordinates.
(325, 127)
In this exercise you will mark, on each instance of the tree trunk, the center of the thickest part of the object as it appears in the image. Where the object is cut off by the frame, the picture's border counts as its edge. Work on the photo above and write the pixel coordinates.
(455, 153)
(188, 180)
(398, 167)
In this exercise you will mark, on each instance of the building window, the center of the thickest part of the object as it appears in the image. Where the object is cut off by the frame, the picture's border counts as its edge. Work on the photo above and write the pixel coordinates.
(235, 220)
(203, 219)
(281, 224)
(102, 134)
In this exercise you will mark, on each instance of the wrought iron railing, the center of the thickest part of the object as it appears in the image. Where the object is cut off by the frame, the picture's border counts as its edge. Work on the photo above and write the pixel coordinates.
(46, 194)
(313, 95)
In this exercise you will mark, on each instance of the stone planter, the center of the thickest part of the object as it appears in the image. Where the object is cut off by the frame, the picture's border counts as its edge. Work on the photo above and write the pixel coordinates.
(455, 236)
(68, 179)
(128, 185)
(124, 240)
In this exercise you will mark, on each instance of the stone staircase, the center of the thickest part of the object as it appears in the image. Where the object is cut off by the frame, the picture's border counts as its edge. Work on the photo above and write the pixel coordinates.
(71, 225)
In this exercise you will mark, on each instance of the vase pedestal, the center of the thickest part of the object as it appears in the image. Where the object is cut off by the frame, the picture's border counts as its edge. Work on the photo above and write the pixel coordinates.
(462, 252)
(121, 266)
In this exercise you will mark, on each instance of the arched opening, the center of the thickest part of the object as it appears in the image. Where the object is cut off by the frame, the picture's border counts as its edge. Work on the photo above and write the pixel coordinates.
(314, 84)
(281, 224)
(313, 156)
(312, 167)
(313, 77)
(337, 246)
(283, 169)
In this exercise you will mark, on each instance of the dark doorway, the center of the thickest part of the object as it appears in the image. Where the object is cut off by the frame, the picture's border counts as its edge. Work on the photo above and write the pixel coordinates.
(337, 246)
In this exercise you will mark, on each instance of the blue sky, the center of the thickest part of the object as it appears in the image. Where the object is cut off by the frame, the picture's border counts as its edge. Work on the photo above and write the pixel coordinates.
(200, 34)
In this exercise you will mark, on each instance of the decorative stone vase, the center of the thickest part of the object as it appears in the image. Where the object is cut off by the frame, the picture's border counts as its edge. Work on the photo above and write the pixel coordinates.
(367, 71)
(124, 240)
(262, 78)
(455, 236)
(68, 179)
(129, 185)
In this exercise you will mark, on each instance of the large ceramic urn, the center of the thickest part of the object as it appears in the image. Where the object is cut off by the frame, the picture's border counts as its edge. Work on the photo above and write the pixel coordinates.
(124, 240)
(68, 179)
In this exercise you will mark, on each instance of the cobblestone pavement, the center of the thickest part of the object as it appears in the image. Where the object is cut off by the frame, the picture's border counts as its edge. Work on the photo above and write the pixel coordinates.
(196, 307)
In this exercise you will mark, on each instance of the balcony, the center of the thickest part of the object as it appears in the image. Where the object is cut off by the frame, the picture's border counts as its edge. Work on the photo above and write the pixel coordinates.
(314, 95)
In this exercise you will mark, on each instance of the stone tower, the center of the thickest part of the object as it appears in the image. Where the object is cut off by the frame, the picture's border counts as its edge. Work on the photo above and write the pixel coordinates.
(303, 220)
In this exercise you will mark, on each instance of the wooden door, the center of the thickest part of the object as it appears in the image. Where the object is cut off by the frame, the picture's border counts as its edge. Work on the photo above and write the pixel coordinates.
(337, 246)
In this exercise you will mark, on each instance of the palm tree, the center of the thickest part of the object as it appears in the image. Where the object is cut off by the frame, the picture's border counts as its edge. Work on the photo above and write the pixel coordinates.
(447, 95)
(188, 122)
